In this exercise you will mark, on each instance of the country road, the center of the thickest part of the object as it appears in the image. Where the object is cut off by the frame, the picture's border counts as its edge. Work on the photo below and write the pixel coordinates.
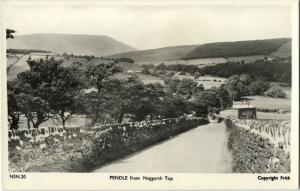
(200, 150)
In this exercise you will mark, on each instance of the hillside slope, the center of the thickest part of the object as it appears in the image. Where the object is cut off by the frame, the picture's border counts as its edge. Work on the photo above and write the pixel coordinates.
(284, 50)
(275, 47)
(160, 54)
(238, 48)
(71, 43)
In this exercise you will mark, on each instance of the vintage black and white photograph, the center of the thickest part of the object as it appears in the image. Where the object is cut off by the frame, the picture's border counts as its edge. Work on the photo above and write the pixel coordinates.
(155, 88)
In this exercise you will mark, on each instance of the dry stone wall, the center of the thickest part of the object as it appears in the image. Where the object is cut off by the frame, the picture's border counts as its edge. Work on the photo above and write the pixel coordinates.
(82, 149)
(260, 146)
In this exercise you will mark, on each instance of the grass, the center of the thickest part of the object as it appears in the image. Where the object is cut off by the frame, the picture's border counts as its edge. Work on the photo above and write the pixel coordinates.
(270, 103)
(198, 62)
(74, 121)
(259, 115)
(207, 81)
(262, 102)
(145, 78)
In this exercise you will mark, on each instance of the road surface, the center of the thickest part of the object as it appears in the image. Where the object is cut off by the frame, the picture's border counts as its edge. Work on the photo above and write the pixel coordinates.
(200, 150)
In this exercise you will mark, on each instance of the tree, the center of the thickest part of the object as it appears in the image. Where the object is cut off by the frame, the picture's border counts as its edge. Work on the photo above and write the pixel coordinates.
(185, 88)
(246, 79)
(13, 102)
(223, 96)
(48, 89)
(208, 98)
(276, 92)
(161, 66)
(9, 33)
(38, 84)
(258, 87)
(197, 75)
(145, 70)
(124, 59)
(150, 96)
(129, 96)
(132, 98)
(99, 77)
(237, 86)
(65, 93)
(171, 107)
(12, 98)
(211, 100)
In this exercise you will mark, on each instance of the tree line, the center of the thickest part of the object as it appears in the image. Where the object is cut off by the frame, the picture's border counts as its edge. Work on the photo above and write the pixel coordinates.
(278, 69)
(49, 90)
(91, 57)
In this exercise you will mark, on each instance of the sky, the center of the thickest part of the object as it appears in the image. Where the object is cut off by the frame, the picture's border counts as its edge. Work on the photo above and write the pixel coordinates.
(153, 26)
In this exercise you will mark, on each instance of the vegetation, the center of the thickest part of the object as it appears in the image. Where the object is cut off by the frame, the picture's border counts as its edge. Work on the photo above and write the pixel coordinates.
(45, 90)
(278, 70)
(239, 86)
(124, 59)
(185, 88)
(191, 69)
(234, 49)
(212, 98)
(258, 87)
(50, 90)
(211, 50)
(9, 33)
(166, 53)
(276, 92)
(25, 51)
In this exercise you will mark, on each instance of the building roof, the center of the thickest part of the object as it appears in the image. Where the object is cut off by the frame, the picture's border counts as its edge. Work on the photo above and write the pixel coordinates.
(242, 106)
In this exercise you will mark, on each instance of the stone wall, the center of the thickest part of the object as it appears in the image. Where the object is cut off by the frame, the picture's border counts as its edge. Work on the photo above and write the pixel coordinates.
(82, 149)
(259, 146)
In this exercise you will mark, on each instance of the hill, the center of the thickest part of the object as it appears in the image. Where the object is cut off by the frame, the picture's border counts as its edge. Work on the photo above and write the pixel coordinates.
(237, 49)
(284, 50)
(96, 45)
(230, 50)
(160, 54)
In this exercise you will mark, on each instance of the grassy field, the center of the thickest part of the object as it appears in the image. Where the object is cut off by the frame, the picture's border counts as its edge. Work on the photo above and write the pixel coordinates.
(263, 102)
(288, 92)
(198, 62)
(75, 121)
(145, 78)
(207, 81)
(247, 58)
(259, 115)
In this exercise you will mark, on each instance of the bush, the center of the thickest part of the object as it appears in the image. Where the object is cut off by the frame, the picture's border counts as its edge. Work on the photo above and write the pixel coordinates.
(124, 59)
(258, 87)
(276, 92)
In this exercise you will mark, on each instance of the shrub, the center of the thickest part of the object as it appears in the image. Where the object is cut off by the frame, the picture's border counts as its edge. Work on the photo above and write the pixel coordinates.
(258, 87)
(276, 92)
(124, 59)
